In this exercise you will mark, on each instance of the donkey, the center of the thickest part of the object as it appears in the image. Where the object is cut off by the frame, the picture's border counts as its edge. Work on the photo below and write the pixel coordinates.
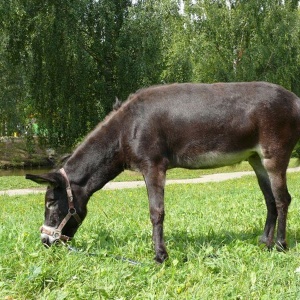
(180, 125)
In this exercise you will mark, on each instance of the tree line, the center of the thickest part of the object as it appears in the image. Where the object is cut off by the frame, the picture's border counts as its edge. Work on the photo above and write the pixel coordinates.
(63, 62)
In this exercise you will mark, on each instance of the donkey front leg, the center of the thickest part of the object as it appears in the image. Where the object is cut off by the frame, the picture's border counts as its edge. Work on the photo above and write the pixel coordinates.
(155, 182)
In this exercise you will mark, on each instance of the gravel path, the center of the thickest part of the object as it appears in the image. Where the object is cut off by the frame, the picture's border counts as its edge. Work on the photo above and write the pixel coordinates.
(134, 184)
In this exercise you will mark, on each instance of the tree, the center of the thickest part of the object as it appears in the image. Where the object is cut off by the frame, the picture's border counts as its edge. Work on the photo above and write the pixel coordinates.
(178, 47)
(12, 82)
(68, 51)
(140, 47)
(245, 40)
(63, 62)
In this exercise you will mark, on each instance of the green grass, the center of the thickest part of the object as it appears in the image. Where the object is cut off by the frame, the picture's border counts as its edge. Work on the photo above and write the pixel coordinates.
(211, 232)
(16, 182)
(19, 182)
(179, 173)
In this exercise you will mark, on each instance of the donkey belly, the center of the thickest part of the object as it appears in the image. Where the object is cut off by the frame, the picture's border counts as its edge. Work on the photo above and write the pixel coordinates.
(211, 159)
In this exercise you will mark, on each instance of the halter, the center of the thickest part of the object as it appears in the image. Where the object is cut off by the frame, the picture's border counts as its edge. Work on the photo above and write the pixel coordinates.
(56, 233)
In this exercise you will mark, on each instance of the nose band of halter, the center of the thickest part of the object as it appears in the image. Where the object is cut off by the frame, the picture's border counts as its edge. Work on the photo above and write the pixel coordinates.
(56, 233)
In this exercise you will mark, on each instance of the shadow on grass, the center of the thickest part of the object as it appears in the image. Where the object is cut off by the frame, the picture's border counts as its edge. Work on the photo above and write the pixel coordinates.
(183, 245)
(213, 238)
(178, 240)
(181, 241)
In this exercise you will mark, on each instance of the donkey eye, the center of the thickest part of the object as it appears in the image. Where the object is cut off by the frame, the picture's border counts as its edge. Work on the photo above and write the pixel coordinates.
(51, 204)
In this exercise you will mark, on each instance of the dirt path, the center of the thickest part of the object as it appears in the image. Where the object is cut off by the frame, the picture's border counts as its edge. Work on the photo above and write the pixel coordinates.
(134, 184)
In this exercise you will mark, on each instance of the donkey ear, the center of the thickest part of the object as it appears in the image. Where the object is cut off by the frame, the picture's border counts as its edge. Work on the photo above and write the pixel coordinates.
(51, 178)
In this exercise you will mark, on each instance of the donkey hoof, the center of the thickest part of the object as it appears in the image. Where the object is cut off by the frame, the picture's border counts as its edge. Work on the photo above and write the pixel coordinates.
(281, 246)
(161, 257)
(263, 240)
(266, 242)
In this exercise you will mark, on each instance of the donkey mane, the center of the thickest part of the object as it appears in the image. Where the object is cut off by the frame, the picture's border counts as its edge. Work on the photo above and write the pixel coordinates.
(117, 104)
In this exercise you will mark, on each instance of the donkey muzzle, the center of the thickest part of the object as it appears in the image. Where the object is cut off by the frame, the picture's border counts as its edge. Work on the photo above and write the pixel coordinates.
(50, 236)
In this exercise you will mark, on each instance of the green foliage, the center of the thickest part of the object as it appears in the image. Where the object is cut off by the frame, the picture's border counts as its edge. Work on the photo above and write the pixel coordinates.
(12, 92)
(63, 62)
(211, 233)
(249, 40)
(68, 51)
(140, 46)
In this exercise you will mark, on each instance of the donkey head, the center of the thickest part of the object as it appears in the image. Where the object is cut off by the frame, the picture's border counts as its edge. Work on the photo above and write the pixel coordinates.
(63, 212)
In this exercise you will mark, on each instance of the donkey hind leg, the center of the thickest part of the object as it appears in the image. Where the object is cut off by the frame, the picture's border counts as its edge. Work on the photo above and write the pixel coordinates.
(282, 201)
(265, 186)
(155, 183)
(277, 200)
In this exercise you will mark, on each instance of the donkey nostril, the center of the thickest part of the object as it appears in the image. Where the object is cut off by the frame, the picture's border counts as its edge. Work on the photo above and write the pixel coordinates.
(45, 242)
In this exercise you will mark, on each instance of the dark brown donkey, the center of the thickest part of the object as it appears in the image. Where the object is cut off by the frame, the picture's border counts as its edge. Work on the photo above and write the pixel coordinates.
(180, 125)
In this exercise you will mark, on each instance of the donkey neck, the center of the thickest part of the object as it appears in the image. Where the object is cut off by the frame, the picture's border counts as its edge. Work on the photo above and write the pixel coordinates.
(98, 159)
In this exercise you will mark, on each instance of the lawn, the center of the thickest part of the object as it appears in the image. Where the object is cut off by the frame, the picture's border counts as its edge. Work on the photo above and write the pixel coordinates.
(19, 182)
(211, 232)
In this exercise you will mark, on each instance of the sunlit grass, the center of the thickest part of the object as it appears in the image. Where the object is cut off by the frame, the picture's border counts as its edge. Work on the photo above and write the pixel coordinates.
(179, 173)
(211, 232)
(18, 182)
